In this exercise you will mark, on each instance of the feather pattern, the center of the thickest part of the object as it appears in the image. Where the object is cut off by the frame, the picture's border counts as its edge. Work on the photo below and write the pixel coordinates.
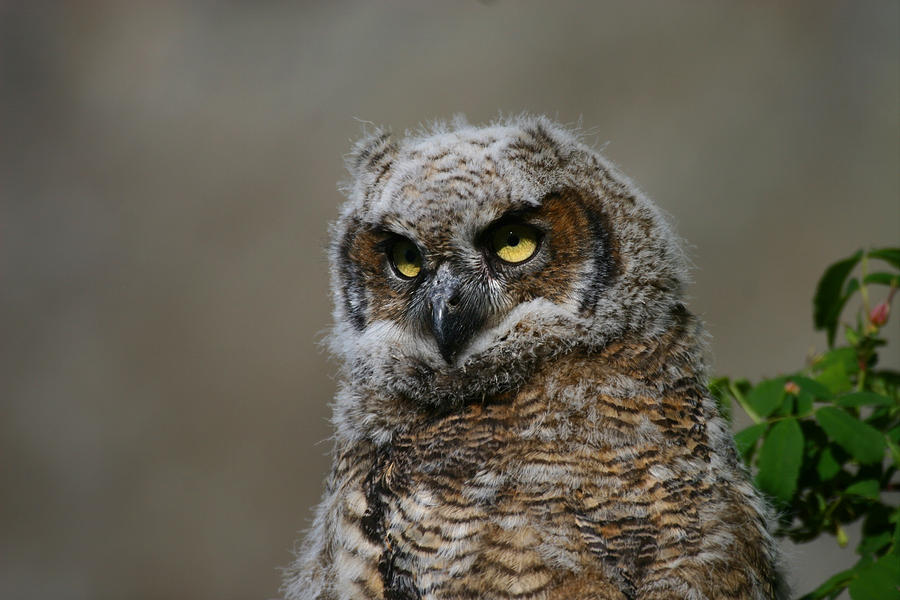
(571, 449)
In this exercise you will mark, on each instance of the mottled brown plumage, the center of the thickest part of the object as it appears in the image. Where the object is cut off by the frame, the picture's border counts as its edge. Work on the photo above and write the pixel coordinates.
(556, 440)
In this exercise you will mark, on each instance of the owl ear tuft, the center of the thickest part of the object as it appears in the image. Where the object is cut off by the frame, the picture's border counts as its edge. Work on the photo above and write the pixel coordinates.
(371, 156)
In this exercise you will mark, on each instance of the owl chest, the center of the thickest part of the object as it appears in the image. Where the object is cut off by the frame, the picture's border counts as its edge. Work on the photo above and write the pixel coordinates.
(444, 539)
(523, 523)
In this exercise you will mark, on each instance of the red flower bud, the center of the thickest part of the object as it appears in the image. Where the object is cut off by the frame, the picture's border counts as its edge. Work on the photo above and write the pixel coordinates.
(878, 316)
(791, 388)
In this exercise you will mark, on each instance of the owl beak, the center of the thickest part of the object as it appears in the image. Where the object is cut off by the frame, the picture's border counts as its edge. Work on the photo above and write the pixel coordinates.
(453, 321)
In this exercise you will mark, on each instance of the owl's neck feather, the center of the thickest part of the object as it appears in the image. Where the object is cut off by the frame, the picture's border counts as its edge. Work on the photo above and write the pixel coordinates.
(569, 368)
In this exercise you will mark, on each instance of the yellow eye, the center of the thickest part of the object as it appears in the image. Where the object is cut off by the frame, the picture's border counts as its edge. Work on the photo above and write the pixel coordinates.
(406, 258)
(514, 243)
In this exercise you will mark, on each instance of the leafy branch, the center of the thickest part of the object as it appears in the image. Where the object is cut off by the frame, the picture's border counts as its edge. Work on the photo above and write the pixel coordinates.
(825, 439)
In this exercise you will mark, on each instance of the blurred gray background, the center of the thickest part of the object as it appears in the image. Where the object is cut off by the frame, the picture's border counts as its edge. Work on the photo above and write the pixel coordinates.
(168, 171)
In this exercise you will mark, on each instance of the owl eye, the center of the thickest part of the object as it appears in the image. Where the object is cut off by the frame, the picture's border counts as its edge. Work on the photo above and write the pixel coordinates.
(514, 243)
(405, 258)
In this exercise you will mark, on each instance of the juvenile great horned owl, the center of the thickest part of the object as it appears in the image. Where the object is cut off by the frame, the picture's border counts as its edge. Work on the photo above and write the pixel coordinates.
(522, 410)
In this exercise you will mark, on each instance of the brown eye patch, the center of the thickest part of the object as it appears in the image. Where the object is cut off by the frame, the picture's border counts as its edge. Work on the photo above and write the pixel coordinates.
(574, 234)
(367, 271)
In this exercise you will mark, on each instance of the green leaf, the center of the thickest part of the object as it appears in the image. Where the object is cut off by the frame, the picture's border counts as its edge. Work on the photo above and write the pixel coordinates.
(835, 378)
(833, 584)
(862, 441)
(780, 459)
(868, 488)
(895, 537)
(766, 396)
(873, 543)
(894, 434)
(810, 391)
(857, 399)
(878, 581)
(891, 255)
(829, 298)
(812, 386)
(828, 466)
(786, 408)
(718, 387)
(895, 452)
(804, 404)
(746, 438)
(843, 356)
(883, 279)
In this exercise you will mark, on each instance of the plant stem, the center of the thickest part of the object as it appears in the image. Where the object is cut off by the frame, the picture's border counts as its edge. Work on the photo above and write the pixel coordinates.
(863, 289)
(747, 408)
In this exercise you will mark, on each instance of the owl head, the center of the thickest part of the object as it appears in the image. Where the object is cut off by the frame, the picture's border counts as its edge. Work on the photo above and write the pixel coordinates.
(465, 257)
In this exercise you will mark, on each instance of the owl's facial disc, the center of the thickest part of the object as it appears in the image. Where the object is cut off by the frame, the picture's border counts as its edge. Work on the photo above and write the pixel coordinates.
(453, 321)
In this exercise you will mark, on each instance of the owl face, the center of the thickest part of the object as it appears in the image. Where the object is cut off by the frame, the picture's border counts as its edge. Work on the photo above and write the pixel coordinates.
(465, 256)
(445, 284)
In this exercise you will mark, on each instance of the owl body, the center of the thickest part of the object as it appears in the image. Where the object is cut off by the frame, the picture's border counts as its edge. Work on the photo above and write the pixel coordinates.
(522, 411)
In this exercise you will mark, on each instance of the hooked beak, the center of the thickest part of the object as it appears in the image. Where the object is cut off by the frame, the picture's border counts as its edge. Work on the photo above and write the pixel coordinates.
(453, 321)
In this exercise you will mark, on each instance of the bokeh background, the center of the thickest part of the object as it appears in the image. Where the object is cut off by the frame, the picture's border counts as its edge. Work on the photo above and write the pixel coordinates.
(168, 171)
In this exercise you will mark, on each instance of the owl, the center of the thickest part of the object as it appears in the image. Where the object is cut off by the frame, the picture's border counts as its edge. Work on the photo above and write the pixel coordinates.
(522, 410)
